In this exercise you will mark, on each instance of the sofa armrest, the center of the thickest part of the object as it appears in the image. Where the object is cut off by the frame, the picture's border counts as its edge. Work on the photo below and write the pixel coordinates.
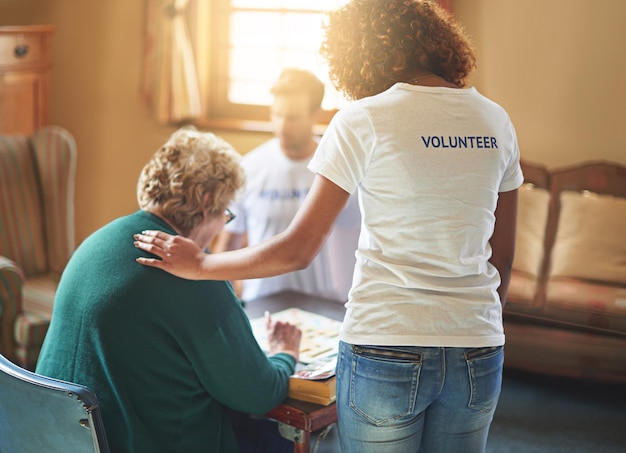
(11, 284)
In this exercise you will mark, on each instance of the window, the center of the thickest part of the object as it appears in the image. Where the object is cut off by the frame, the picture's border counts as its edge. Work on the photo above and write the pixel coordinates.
(245, 46)
(250, 42)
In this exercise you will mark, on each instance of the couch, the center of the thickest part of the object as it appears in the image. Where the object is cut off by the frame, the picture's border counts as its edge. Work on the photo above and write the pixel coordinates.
(36, 235)
(565, 313)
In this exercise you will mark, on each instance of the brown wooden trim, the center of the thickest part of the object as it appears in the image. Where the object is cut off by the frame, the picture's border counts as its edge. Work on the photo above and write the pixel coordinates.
(237, 124)
(28, 28)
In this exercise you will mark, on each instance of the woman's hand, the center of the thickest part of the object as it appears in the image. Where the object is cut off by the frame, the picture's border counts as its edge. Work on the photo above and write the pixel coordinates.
(282, 336)
(289, 251)
(179, 255)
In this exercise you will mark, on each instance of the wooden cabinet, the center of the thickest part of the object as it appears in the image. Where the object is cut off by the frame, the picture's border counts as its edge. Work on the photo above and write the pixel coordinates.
(25, 64)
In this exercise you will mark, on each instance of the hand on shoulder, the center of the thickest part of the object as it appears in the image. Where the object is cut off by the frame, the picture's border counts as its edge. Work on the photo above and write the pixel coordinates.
(178, 255)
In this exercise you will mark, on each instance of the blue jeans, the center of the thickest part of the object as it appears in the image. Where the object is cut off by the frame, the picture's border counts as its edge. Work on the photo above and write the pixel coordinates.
(410, 399)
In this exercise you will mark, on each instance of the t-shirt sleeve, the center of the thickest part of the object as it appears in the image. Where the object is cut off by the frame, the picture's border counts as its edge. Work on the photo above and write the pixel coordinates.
(345, 149)
(513, 176)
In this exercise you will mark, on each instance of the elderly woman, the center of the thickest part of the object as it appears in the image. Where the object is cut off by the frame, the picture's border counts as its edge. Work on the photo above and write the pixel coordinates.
(168, 358)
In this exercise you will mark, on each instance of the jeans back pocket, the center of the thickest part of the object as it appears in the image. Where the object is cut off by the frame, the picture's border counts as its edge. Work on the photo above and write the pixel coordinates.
(384, 382)
(485, 373)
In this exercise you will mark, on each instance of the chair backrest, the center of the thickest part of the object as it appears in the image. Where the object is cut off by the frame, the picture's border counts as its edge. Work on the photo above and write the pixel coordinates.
(36, 199)
(41, 414)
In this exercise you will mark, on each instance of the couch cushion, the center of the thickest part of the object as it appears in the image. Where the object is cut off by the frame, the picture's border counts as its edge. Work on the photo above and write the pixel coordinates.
(521, 294)
(532, 215)
(32, 324)
(21, 230)
(55, 154)
(545, 349)
(590, 241)
(11, 282)
(589, 305)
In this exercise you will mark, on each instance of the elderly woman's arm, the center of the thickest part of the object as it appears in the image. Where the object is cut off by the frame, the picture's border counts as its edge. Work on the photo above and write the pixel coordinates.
(291, 250)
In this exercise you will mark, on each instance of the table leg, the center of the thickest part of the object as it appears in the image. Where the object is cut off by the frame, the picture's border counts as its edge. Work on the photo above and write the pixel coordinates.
(304, 444)
(301, 438)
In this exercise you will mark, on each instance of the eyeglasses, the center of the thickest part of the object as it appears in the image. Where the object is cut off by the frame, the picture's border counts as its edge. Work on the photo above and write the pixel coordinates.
(229, 216)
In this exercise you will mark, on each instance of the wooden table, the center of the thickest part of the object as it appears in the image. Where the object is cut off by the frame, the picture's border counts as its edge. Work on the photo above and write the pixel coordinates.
(298, 419)
(287, 299)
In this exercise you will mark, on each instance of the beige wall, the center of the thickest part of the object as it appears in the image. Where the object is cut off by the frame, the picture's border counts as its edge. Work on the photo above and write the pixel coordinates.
(557, 66)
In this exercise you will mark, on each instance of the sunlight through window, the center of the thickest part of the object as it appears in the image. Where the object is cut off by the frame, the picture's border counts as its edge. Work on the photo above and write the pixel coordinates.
(267, 36)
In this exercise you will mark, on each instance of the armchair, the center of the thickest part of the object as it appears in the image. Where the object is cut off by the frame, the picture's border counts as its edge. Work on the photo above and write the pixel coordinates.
(36, 235)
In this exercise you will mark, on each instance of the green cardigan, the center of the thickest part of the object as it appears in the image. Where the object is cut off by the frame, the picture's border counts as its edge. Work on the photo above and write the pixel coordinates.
(165, 356)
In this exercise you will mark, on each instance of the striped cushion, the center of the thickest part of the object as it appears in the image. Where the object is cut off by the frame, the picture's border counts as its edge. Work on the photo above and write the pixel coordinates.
(21, 226)
(32, 324)
(11, 281)
(55, 156)
(27, 357)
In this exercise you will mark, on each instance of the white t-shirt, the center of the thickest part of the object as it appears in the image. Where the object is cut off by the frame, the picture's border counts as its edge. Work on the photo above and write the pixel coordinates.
(428, 163)
(276, 187)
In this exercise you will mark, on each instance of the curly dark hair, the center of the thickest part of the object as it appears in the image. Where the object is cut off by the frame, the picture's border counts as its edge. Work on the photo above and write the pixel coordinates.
(372, 44)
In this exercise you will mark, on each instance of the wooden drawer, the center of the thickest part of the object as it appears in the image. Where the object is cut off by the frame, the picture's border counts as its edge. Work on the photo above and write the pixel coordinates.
(25, 64)
(25, 47)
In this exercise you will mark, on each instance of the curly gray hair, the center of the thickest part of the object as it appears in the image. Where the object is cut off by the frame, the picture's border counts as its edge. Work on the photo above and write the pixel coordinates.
(190, 165)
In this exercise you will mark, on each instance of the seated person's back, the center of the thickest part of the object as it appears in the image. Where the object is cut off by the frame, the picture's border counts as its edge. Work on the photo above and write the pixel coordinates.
(167, 357)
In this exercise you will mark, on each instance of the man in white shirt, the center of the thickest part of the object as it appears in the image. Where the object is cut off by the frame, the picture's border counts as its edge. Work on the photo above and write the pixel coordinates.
(277, 182)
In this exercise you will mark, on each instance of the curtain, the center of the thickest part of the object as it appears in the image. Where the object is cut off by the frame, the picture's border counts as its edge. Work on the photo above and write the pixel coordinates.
(170, 80)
